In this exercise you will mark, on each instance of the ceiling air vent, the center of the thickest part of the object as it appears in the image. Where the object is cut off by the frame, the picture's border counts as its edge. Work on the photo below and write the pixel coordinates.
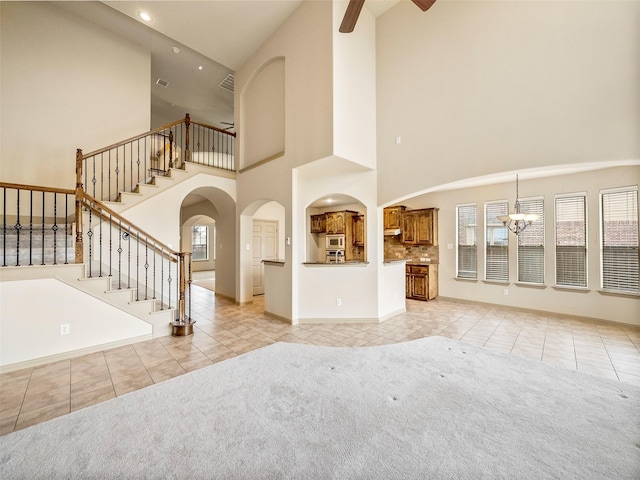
(227, 83)
(162, 83)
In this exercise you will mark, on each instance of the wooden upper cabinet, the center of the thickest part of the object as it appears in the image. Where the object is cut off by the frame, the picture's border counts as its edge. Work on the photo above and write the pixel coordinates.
(335, 222)
(393, 217)
(420, 227)
(358, 230)
(318, 223)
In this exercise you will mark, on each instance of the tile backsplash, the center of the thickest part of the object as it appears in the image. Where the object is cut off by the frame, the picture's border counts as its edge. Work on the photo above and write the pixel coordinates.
(394, 249)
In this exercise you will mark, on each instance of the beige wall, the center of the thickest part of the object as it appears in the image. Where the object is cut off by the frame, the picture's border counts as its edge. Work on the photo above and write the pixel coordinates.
(475, 88)
(65, 85)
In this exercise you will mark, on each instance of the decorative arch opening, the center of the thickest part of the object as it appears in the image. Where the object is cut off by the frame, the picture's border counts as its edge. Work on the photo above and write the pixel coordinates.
(336, 230)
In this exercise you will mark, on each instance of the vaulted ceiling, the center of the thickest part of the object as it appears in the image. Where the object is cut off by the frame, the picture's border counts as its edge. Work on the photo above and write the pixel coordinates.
(213, 39)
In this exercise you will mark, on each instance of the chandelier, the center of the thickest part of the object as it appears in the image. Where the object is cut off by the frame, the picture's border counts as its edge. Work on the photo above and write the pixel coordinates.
(517, 221)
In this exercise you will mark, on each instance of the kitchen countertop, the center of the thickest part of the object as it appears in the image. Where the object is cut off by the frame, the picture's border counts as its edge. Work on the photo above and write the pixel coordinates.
(344, 264)
(409, 261)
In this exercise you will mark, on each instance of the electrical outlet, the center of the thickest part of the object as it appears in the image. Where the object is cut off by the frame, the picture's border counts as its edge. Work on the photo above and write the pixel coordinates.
(505, 292)
(65, 329)
(338, 302)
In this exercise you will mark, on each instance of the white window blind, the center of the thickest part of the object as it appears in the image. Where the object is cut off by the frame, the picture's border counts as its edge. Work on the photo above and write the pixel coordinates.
(497, 241)
(619, 223)
(571, 241)
(531, 244)
(199, 242)
(467, 238)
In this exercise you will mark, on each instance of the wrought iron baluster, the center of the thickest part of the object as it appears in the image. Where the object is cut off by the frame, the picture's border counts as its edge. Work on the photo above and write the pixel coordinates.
(146, 269)
(66, 228)
(30, 227)
(90, 235)
(110, 245)
(162, 279)
(42, 234)
(94, 180)
(155, 256)
(102, 176)
(117, 171)
(169, 279)
(138, 159)
(120, 254)
(137, 266)
(17, 227)
(4, 227)
(108, 177)
(55, 228)
(128, 239)
(100, 245)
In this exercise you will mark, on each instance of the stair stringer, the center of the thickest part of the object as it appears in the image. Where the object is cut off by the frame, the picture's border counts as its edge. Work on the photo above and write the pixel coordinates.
(160, 183)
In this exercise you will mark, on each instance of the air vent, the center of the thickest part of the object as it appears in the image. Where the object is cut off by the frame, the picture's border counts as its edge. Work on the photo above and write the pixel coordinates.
(227, 83)
(162, 83)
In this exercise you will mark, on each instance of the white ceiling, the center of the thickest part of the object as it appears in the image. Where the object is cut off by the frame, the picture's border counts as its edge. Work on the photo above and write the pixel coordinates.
(220, 35)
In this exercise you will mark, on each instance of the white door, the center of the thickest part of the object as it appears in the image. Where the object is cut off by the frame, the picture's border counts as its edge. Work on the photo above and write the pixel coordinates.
(265, 247)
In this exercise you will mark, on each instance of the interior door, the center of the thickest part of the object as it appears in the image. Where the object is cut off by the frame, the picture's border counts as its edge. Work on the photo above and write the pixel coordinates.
(265, 247)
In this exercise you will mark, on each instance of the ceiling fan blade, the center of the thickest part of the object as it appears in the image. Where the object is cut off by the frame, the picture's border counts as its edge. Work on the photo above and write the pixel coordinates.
(351, 16)
(424, 5)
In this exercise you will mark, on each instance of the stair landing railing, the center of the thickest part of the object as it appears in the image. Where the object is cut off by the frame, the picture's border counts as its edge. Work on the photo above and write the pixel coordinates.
(121, 167)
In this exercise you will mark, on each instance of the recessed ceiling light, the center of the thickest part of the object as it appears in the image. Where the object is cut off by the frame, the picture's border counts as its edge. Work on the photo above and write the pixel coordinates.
(200, 67)
(175, 49)
(144, 16)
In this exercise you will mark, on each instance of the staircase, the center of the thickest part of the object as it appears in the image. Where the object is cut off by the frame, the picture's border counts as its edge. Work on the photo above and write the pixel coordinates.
(120, 264)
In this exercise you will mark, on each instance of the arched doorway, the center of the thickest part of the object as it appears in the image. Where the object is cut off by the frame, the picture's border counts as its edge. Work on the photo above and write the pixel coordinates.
(262, 227)
(207, 229)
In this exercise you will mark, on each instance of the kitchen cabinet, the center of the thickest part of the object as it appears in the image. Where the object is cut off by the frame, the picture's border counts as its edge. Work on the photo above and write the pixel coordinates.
(420, 227)
(393, 217)
(318, 223)
(422, 282)
(335, 222)
(339, 222)
(358, 230)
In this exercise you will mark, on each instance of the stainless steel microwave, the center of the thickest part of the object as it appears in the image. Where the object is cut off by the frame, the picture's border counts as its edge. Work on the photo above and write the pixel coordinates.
(335, 242)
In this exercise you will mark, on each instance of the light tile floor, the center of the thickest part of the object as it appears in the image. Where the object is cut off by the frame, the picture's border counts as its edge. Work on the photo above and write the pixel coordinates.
(224, 330)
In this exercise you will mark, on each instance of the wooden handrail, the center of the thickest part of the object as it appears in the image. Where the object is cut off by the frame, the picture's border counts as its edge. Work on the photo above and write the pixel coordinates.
(88, 200)
(221, 130)
(129, 140)
(37, 188)
(153, 132)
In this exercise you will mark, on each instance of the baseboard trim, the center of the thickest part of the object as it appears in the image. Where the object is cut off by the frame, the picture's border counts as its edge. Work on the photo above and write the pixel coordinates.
(71, 354)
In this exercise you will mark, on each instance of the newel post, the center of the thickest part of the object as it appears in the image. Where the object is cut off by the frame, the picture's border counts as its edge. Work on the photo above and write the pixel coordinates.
(187, 152)
(183, 326)
(170, 148)
(79, 196)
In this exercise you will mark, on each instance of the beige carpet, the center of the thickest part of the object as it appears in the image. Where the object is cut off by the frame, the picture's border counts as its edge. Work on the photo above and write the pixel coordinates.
(427, 409)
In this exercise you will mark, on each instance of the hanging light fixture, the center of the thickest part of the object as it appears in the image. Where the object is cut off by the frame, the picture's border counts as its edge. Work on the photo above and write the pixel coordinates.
(518, 221)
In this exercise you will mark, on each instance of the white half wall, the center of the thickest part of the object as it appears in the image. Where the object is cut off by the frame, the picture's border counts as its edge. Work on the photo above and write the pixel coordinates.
(30, 327)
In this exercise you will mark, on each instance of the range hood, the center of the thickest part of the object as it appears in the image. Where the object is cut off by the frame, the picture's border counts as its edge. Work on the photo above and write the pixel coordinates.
(392, 231)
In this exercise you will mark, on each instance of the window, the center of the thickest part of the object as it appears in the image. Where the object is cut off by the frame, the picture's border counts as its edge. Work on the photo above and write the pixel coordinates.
(200, 242)
(531, 244)
(619, 224)
(571, 240)
(467, 237)
(497, 241)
